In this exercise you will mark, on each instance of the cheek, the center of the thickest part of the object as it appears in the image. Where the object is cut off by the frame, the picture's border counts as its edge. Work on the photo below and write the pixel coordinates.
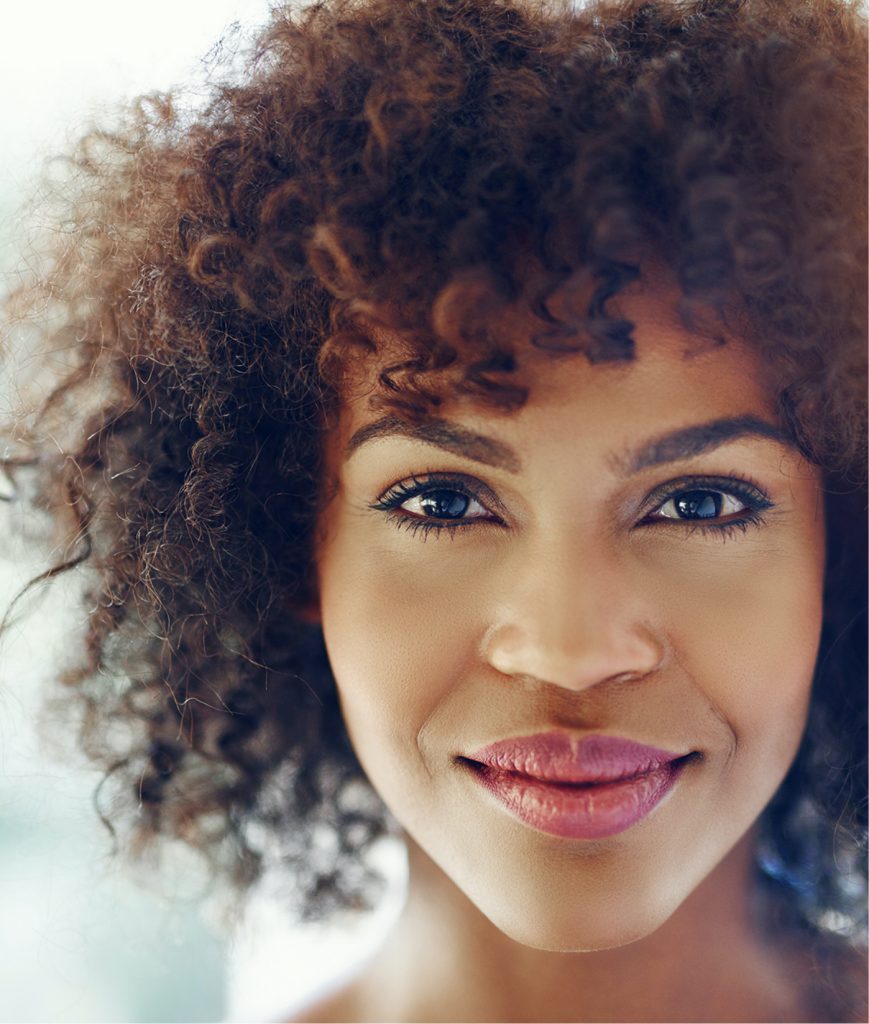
(749, 637)
(397, 642)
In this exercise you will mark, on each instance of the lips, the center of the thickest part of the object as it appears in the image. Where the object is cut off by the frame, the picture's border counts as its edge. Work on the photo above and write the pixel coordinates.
(580, 788)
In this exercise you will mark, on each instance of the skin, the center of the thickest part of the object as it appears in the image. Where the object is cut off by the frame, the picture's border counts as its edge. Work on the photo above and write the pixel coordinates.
(575, 599)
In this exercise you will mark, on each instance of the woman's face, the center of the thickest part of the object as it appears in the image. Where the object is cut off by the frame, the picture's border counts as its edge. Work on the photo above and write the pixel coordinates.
(633, 560)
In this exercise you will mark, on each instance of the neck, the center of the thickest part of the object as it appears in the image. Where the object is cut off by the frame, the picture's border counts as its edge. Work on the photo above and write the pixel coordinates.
(445, 960)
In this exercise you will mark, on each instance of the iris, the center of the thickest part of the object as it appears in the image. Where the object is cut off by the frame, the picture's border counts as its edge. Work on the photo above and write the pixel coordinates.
(698, 505)
(444, 504)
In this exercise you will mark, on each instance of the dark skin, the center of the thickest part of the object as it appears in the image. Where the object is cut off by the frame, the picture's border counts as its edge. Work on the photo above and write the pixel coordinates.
(721, 640)
(446, 962)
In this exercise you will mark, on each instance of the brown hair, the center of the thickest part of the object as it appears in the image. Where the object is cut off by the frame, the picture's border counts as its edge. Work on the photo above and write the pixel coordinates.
(377, 162)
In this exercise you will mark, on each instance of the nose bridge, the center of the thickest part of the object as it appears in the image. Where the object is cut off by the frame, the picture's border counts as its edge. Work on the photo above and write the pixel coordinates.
(573, 615)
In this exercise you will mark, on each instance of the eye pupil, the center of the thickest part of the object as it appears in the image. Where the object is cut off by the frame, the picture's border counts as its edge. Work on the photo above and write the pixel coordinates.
(444, 504)
(698, 505)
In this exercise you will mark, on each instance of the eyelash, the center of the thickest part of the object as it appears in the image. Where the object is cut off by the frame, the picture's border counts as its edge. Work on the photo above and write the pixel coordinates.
(744, 489)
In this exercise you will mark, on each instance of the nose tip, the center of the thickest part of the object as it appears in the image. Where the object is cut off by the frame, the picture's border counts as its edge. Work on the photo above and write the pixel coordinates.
(576, 662)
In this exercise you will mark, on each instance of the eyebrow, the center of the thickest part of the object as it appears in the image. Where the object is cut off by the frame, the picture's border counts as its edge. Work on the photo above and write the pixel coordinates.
(682, 443)
(442, 434)
(686, 442)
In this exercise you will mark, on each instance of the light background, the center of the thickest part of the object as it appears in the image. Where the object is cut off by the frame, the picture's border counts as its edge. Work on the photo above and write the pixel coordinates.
(80, 939)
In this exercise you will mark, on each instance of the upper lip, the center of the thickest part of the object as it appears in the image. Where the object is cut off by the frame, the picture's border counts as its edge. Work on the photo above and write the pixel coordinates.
(563, 758)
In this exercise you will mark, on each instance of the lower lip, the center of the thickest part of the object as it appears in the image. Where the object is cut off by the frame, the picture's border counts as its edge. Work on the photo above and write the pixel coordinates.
(592, 811)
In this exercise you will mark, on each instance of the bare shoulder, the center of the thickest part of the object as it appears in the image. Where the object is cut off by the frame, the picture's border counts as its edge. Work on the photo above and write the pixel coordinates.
(344, 1003)
(856, 968)
(838, 976)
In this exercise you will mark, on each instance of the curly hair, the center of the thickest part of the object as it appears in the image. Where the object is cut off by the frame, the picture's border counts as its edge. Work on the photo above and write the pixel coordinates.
(218, 273)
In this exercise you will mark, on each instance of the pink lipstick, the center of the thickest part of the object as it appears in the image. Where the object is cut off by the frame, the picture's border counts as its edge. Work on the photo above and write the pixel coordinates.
(578, 788)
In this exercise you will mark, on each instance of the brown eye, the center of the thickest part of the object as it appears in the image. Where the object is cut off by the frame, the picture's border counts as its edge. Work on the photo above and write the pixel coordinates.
(701, 504)
(719, 506)
(443, 504)
(436, 502)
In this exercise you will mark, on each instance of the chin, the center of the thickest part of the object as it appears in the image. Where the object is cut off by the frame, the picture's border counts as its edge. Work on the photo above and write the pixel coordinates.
(582, 934)
(584, 923)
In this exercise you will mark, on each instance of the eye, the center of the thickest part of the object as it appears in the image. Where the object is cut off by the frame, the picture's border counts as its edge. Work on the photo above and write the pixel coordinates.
(720, 505)
(701, 505)
(443, 503)
(434, 502)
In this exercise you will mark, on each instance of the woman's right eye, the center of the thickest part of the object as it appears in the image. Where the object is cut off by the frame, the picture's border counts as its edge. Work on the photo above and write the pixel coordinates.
(433, 503)
(444, 504)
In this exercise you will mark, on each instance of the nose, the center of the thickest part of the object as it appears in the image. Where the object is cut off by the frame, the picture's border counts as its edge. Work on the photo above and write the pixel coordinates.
(574, 623)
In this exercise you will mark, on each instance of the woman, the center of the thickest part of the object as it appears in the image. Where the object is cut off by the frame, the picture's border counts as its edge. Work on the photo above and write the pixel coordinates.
(483, 382)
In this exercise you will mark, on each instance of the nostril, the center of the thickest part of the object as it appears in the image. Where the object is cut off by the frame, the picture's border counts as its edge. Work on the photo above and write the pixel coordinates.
(538, 650)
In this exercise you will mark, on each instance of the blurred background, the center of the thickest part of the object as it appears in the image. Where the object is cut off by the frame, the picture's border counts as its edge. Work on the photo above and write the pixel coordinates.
(81, 937)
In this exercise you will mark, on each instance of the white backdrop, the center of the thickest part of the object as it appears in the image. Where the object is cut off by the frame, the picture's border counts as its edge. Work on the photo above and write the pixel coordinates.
(79, 940)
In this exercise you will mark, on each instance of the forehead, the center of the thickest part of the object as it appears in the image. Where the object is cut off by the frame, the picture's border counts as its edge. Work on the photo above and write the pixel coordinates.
(678, 369)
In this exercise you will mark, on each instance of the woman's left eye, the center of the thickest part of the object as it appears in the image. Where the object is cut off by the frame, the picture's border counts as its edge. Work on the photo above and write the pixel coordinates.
(719, 506)
(698, 505)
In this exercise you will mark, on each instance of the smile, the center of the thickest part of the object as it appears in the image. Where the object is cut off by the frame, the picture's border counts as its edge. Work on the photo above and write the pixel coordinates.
(586, 788)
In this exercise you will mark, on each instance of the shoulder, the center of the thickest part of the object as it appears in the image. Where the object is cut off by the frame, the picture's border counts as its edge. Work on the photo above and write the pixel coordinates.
(837, 977)
(856, 971)
(344, 1003)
